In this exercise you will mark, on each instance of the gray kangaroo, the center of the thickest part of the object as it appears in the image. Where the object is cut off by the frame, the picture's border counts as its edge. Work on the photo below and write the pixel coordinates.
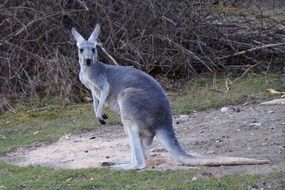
(142, 104)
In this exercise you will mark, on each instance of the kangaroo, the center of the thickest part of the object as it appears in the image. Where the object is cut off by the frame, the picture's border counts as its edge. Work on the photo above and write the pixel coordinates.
(142, 104)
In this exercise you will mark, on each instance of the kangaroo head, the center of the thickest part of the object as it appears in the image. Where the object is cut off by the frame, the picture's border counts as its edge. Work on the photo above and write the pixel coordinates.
(87, 51)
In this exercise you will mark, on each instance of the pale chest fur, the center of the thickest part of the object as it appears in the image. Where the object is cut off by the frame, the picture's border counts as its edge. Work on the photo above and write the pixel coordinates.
(88, 83)
(84, 79)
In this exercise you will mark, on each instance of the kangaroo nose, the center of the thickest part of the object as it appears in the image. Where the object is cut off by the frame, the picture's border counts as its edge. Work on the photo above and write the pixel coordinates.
(88, 62)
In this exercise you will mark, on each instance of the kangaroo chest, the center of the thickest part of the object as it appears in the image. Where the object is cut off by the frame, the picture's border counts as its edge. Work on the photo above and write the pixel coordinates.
(88, 83)
(84, 79)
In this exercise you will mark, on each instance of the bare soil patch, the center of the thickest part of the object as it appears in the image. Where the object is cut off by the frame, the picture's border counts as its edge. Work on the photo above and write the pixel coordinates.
(253, 131)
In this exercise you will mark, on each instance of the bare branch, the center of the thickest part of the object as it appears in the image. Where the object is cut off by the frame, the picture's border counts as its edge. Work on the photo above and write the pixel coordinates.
(253, 49)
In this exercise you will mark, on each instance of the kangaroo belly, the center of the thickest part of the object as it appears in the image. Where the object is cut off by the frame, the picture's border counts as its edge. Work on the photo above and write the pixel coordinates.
(113, 105)
(147, 108)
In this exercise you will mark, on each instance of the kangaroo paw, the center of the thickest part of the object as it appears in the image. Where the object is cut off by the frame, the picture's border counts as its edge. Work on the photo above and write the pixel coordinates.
(105, 116)
(102, 121)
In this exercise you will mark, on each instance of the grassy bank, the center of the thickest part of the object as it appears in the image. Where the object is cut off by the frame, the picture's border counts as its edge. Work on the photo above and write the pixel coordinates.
(214, 92)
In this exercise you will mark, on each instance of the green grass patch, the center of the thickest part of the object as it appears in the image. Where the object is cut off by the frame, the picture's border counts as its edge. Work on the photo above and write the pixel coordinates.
(14, 177)
(213, 92)
(25, 128)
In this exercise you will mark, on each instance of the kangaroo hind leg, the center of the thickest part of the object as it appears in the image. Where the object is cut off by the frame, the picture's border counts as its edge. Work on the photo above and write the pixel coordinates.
(137, 151)
(146, 141)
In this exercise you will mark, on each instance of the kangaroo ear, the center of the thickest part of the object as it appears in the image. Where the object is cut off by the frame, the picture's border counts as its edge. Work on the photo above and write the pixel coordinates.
(77, 36)
(94, 36)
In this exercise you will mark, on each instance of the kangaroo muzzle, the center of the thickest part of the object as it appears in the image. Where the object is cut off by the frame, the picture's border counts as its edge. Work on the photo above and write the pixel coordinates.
(88, 62)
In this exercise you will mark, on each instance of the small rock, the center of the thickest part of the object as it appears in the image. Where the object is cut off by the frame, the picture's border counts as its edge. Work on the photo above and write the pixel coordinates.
(104, 164)
(87, 99)
(67, 136)
(254, 187)
(211, 152)
(107, 157)
(194, 178)
(92, 137)
(86, 151)
(219, 140)
(183, 116)
(255, 124)
(236, 109)
(159, 150)
(225, 109)
(270, 111)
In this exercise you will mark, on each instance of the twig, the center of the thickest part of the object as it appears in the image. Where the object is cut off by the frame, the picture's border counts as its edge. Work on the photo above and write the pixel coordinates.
(228, 81)
(246, 71)
(169, 20)
(105, 51)
(83, 5)
(38, 109)
(216, 90)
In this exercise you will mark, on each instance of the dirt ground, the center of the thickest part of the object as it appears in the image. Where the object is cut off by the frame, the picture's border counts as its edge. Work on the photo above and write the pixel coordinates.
(254, 131)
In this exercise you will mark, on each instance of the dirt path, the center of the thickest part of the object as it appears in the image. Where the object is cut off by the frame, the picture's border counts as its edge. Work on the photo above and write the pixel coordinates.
(253, 131)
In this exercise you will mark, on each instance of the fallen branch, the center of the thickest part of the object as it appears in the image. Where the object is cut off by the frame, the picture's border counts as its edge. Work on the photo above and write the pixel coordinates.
(38, 109)
(280, 101)
(252, 49)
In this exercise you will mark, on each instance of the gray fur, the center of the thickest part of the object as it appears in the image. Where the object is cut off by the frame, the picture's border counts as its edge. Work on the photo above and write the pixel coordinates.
(136, 96)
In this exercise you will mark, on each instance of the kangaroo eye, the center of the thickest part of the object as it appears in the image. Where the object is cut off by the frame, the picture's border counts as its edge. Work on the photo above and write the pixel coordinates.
(81, 50)
(93, 50)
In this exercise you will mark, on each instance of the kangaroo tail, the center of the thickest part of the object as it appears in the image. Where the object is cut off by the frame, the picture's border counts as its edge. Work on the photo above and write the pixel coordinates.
(167, 138)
